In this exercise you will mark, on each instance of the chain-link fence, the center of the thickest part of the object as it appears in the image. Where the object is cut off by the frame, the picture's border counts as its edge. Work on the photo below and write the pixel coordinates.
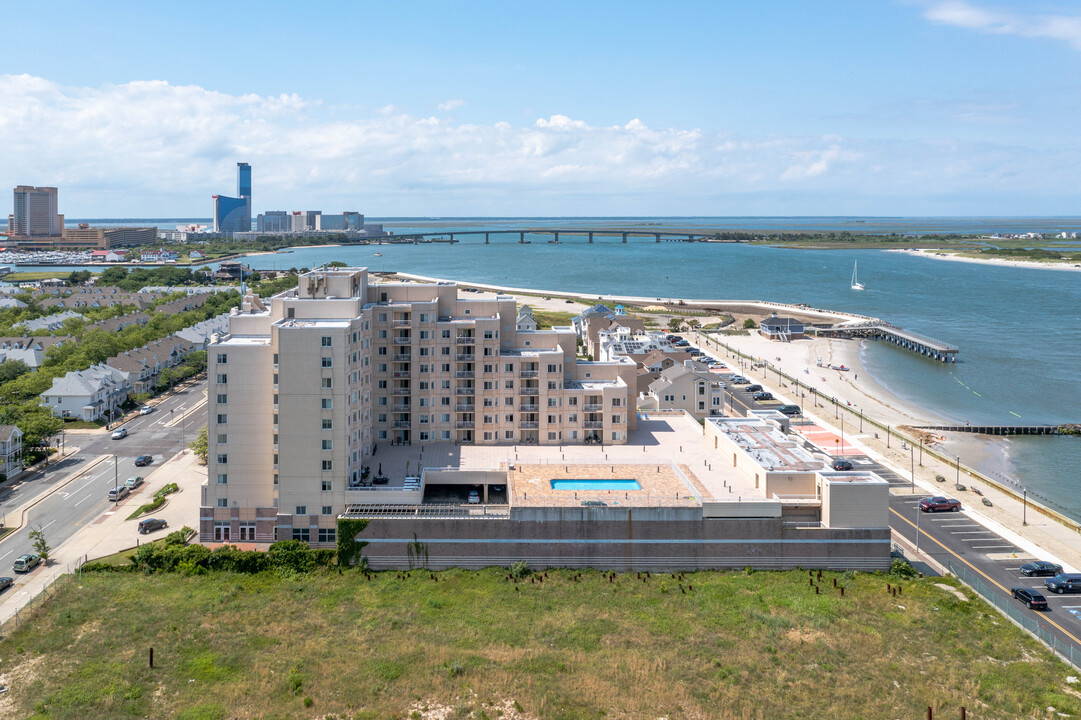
(25, 610)
(1008, 607)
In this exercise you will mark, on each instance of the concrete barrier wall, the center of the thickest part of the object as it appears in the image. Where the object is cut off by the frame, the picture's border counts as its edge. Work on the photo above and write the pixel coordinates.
(634, 544)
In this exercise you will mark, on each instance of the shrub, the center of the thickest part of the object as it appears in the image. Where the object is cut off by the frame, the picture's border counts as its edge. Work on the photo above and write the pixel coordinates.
(749, 324)
(520, 569)
(901, 568)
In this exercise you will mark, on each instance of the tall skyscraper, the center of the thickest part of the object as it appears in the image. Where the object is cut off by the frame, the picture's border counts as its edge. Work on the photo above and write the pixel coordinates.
(233, 214)
(35, 212)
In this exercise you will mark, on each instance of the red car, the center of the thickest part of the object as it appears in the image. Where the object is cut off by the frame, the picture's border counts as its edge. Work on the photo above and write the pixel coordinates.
(938, 504)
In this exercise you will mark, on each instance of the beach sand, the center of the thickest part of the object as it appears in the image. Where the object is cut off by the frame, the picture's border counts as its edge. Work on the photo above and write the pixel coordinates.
(1003, 262)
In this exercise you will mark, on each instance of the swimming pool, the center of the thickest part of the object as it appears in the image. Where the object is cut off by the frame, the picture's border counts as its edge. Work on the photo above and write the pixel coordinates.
(595, 485)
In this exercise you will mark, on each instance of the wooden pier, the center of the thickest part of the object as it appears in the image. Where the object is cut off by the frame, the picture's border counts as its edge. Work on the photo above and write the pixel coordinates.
(1000, 429)
(907, 339)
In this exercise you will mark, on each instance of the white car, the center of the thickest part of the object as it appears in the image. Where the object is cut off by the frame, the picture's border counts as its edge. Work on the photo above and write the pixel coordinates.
(120, 434)
(474, 497)
(146, 409)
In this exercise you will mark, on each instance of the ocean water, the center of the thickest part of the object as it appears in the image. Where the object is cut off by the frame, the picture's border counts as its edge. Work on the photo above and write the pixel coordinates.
(1018, 329)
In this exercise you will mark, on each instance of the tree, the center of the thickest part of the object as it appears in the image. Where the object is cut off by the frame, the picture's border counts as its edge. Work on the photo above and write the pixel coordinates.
(693, 323)
(199, 445)
(78, 277)
(674, 324)
(113, 276)
(11, 369)
(336, 264)
(41, 546)
(749, 324)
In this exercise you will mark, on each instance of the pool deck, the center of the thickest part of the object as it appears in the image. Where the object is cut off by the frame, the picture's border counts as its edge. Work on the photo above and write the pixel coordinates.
(665, 440)
(661, 486)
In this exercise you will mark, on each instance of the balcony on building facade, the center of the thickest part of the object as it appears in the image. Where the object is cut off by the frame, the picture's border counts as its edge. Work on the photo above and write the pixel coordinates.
(401, 407)
(465, 340)
(593, 424)
(464, 424)
(402, 357)
(401, 391)
(465, 374)
(592, 407)
(465, 391)
(402, 339)
(403, 424)
(529, 424)
(529, 391)
(401, 374)
(465, 357)
(465, 407)
(399, 323)
(533, 407)
(528, 373)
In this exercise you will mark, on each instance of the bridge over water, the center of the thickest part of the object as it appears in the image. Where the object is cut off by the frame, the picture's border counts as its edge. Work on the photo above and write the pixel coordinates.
(587, 233)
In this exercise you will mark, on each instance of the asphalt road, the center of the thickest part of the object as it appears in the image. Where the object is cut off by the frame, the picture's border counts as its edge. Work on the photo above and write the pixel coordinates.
(73, 497)
(951, 537)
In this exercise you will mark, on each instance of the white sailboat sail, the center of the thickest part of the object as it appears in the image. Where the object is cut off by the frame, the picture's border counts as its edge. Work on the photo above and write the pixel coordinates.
(856, 284)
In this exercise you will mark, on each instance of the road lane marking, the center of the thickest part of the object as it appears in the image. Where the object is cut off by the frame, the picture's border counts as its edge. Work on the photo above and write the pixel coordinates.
(976, 570)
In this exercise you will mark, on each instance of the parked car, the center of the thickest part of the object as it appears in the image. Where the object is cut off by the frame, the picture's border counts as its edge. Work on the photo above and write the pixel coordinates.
(763, 396)
(1041, 568)
(753, 388)
(474, 497)
(133, 482)
(120, 433)
(790, 410)
(740, 380)
(6, 582)
(939, 503)
(841, 464)
(1030, 597)
(118, 493)
(1064, 582)
(146, 409)
(26, 563)
(143, 460)
(151, 524)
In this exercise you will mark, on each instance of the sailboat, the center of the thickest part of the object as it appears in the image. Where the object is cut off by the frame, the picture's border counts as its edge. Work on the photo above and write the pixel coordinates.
(856, 284)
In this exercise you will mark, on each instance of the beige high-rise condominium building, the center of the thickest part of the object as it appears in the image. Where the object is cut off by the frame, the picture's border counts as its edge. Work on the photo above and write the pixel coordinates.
(308, 383)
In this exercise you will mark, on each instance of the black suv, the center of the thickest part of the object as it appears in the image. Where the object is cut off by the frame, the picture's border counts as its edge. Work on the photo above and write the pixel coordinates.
(1064, 582)
(790, 410)
(1041, 568)
(1030, 597)
(763, 395)
(753, 388)
(841, 464)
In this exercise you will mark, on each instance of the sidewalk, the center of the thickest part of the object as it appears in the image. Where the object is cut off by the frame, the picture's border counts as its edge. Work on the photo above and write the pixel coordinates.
(112, 532)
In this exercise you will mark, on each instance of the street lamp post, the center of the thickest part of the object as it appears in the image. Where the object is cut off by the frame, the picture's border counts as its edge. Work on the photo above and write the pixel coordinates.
(1024, 508)
(918, 513)
(912, 465)
(116, 479)
(957, 480)
(921, 451)
(861, 420)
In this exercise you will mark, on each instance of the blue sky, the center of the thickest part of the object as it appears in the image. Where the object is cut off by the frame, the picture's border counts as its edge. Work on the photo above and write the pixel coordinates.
(942, 107)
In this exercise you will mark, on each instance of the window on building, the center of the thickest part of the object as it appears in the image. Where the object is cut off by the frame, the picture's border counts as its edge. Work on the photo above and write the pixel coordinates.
(223, 479)
(223, 502)
(445, 334)
(552, 436)
(445, 434)
(444, 418)
(223, 359)
(328, 535)
(508, 384)
(223, 398)
(223, 438)
(327, 362)
(327, 486)
(327, 341)
(444, 351)
(328, 424)
(222, 378)
(553, 368)
(617, 419)
(489, 335)
(382, 434)
(328, 444)
(275, 358)
(302, 534)
(424, 436)
(382, 317)
(444, 384)
(223, 459)
(508, 434)
(327, 403)
(444, 401)
(328, 464)
(328, 383)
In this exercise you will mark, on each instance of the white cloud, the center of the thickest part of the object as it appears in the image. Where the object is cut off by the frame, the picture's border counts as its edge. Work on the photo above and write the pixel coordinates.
(156, 149)
(966, 15)
(451, 104)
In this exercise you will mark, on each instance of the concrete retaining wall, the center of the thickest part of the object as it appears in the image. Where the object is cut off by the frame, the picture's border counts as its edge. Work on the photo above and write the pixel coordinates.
(632, 543)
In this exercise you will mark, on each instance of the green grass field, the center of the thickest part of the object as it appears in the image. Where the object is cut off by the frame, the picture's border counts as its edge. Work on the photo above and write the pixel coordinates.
(737, 645)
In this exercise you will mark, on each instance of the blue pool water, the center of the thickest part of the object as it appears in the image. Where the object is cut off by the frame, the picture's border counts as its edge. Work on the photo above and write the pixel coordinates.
(595, 485)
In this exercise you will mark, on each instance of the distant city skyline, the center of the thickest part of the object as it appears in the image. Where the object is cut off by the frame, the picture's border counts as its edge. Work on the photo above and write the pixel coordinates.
(913, 107)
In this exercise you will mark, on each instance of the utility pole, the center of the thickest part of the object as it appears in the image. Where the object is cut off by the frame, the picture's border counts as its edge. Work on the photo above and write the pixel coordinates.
(116, 479)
